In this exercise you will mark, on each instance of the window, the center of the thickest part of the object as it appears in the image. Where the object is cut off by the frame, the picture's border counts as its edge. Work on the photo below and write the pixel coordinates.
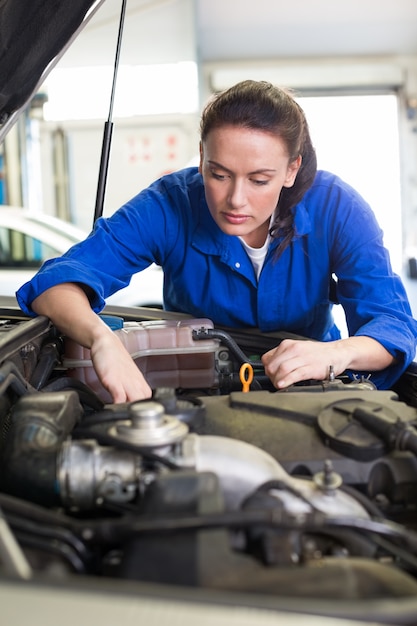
(18, 249)
(357, 137)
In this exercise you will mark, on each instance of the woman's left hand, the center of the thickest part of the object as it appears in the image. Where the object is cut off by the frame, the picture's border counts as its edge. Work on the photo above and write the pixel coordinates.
(296, 360)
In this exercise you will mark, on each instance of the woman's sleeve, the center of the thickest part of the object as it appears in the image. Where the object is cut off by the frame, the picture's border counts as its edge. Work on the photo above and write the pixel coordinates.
(373, 296)
(119, 246)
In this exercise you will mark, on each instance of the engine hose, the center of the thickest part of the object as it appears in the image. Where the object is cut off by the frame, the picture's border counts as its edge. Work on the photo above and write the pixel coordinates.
(385, 528)
(54, 547)
(229, 342)
(366, 502)
(10, 376)
(53, 533)
(48, 359)
(86, 394)
(398, 435)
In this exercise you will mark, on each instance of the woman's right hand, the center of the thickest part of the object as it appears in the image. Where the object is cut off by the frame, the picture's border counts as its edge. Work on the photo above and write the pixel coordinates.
(68, 307)
(116, 369)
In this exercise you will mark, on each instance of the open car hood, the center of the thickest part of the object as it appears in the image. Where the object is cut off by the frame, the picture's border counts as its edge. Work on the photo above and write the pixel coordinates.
(33, 36)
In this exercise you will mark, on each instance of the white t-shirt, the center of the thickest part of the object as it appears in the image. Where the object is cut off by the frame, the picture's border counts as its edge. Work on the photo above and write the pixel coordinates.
(257, 255)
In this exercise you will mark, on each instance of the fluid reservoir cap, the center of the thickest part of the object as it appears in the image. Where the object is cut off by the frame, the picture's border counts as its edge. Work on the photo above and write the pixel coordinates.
(345, 435)
(113, 321)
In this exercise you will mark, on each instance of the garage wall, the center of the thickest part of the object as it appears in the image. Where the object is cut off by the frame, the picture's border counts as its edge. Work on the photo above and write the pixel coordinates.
(142, 150)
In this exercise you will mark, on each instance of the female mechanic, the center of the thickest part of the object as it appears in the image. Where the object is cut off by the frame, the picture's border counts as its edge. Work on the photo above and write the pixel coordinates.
(251, 238)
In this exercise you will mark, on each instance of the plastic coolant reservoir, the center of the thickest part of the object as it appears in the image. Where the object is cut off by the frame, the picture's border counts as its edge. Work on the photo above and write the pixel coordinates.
(164, 350)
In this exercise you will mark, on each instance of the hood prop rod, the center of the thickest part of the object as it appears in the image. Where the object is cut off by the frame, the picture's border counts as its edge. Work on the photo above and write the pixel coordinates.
(108, 127)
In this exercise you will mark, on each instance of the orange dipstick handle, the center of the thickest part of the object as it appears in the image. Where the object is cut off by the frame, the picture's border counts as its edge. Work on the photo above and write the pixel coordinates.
(246, 376)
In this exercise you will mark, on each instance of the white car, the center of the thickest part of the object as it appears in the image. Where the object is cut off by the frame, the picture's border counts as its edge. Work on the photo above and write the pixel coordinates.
(27, 239)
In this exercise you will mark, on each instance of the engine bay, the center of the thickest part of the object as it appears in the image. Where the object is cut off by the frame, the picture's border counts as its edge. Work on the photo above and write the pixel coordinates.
(307, 493)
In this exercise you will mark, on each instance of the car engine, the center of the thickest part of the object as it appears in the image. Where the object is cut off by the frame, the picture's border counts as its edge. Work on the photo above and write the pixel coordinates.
(226, 485)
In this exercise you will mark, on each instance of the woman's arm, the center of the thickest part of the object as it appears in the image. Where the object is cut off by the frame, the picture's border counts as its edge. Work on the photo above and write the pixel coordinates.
(294, 361)
(68, 307)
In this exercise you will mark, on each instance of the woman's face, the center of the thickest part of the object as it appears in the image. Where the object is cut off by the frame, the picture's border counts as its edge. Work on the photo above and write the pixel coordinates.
(244, 172)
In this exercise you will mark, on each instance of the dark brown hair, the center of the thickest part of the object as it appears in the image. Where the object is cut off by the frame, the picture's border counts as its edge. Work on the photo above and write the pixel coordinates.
(263, 106)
